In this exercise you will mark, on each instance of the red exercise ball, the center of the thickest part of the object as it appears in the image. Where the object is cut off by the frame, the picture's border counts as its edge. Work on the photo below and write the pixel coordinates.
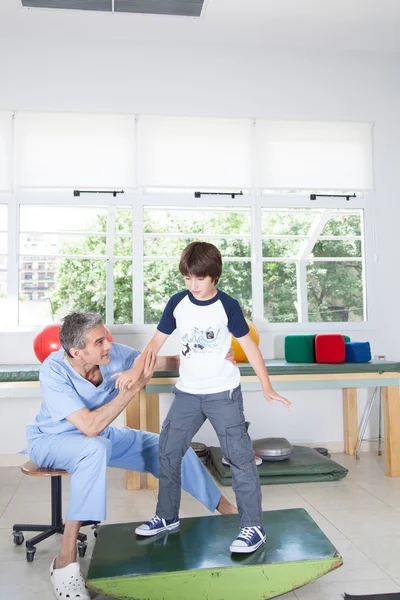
(47, 341)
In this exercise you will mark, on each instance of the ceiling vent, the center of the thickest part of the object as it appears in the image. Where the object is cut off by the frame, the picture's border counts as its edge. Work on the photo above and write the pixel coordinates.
(178, 8)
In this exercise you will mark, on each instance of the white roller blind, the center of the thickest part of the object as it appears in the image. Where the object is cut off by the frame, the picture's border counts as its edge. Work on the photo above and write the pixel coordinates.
(313, 155)
(194, 152)
(75, 150)
(5, 150)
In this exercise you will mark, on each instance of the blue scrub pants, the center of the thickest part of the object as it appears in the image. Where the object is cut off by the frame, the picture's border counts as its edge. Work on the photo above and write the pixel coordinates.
(87, 459)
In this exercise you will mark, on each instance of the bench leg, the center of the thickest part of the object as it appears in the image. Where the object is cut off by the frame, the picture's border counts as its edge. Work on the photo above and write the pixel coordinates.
(132, 420)
(350, 420)
(150, 421)
(391, 415)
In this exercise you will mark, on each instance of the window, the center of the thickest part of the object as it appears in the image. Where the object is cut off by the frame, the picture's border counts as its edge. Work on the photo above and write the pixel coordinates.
(287, 260)
(313, 267)
(75, 150)
(3, 263)
(5, 151)
(168, 231)
(194, 152)
(75, 258)
(313, 155)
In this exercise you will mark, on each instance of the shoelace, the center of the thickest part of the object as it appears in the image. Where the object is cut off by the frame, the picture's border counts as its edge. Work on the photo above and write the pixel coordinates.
(155, 520)
(247, 533)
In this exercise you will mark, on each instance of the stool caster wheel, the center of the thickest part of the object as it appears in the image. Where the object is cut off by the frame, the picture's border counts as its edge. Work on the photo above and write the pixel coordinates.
(95, 530)
(18, 538)
(82, 546)
(30, 554)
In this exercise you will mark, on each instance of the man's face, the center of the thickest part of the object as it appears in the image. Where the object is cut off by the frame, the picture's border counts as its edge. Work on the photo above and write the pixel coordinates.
(96, 351)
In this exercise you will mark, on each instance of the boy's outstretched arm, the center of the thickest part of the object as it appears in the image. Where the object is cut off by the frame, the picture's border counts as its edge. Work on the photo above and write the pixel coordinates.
(124, 379)
(257, 362)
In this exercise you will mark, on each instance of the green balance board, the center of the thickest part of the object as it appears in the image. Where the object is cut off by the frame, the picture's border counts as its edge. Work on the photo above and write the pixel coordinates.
(195, 563)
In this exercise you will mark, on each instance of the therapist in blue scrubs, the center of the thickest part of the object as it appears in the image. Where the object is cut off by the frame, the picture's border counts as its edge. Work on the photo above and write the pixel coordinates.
(72, 431)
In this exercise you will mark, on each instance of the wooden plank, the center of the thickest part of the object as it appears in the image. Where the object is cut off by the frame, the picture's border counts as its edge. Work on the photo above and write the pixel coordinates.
(350, 420)
(7, 385)
(132, 420)
(195, 562)
(159, 381)
(391, 415)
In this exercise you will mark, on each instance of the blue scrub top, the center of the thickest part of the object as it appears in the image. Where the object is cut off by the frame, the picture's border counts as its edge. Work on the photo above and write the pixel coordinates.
(64, 391)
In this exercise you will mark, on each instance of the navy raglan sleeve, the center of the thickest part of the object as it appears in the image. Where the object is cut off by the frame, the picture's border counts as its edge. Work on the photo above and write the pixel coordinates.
(167, 323)
(236, 322)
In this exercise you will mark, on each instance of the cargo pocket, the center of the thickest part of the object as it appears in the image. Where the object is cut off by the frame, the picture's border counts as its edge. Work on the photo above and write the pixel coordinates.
(239, 446)
(172, 440)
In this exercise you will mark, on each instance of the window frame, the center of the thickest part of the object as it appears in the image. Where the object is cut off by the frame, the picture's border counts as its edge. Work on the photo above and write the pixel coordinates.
(138, 200)
(364, 203)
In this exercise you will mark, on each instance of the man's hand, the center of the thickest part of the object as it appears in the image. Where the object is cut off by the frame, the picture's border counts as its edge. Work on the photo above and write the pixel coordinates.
(272, 396)
(142, 370)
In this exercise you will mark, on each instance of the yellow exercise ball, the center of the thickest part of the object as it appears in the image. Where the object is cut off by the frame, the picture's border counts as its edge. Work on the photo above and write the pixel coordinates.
(238, 351)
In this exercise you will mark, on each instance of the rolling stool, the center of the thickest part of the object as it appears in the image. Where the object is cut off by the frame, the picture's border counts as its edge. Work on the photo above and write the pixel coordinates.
(57, 526)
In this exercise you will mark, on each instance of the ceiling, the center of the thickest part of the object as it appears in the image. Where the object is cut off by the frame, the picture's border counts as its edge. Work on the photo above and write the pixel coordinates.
(367, 25)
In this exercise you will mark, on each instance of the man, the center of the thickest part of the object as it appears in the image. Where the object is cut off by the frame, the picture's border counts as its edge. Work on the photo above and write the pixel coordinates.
(72, 431)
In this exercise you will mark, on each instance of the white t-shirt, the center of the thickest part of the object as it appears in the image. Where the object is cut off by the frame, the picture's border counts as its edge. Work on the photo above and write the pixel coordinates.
(205, 331)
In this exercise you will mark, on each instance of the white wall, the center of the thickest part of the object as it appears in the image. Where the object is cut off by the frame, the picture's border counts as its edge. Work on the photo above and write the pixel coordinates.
(120, 76)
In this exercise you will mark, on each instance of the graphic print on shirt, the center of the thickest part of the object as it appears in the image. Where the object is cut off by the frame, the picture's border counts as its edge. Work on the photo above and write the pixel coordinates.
(199, 340)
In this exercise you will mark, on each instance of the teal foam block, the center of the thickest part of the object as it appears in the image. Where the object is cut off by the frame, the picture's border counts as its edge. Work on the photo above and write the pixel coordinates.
(300, 348)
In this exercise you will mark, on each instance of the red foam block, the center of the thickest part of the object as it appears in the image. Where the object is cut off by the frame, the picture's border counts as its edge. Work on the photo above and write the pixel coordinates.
(330, 348)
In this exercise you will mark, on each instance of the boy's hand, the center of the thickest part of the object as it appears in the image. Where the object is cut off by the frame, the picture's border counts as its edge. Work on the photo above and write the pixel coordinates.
(142, 369)
(231, 356)
(272, 396)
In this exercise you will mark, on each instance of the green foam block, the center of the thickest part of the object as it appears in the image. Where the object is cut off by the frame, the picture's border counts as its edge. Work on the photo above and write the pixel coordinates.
(300, 348)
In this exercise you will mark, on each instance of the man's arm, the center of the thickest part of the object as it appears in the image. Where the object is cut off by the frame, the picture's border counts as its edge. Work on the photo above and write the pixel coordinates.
(93, 422)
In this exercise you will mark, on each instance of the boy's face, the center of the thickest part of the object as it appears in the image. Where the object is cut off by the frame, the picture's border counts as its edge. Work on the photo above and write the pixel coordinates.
(202, 288)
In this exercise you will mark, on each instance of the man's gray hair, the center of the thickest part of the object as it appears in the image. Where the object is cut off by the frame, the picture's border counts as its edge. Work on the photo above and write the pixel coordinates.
(74, 328)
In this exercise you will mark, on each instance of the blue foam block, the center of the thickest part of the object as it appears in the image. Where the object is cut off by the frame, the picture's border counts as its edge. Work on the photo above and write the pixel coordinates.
(357, 352)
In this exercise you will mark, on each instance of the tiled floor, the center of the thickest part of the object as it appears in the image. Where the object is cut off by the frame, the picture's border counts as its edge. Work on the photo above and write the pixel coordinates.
(360, 515)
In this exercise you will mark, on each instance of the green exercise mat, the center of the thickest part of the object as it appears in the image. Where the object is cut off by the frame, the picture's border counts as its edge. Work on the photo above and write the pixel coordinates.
(304, 464)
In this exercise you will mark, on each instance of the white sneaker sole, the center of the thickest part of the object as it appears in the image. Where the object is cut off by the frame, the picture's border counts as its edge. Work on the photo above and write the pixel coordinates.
(151, 532)
(247, 549)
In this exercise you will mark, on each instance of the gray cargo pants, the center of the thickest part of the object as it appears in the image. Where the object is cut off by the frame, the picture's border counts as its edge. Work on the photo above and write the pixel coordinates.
(185, 417)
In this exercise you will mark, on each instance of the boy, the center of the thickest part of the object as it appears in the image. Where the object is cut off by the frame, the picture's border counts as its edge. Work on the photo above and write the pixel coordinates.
(208, 387)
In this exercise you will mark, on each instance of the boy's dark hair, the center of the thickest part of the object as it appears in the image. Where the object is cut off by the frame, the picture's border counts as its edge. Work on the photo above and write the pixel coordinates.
(201, 259)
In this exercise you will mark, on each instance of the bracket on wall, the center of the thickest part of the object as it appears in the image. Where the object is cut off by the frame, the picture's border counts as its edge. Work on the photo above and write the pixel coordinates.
(113, 192)
(347, 196)
(231, 194)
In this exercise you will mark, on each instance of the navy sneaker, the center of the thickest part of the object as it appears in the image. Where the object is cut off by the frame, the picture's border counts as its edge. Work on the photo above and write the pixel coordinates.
(248, 540)
(157, 525)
